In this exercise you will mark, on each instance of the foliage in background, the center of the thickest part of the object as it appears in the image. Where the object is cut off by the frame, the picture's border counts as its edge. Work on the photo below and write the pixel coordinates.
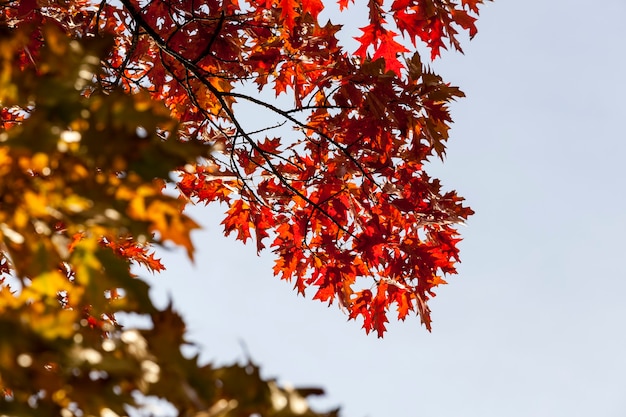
(103, 104)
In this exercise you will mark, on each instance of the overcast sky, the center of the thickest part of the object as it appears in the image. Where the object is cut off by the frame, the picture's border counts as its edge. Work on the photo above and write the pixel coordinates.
(533, 324)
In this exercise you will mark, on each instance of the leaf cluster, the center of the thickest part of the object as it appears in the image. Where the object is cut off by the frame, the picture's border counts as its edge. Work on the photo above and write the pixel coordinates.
(82, 175)
(106, 107)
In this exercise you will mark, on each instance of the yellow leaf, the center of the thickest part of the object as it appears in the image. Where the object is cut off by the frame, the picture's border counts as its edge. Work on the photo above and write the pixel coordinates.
(8, 300)
(47, 284)
(53, 326)
(36, 204)
(171, 224)
(85, 261)
(136, 205)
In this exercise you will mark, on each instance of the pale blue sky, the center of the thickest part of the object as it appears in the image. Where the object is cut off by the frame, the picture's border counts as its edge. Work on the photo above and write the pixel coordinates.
(533, 325)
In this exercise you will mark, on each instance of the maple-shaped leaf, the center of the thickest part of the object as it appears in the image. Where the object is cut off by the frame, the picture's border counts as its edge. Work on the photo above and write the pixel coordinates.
(463, 19)
(238, 219)
(369, 37)
(168, 220)
(389, 50)
(289, 12)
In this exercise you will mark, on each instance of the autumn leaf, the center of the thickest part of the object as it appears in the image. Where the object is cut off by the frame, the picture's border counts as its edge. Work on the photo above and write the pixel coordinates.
(171, 224)
(57, 324)
(389, 50)
(238, 219)
(47, 285)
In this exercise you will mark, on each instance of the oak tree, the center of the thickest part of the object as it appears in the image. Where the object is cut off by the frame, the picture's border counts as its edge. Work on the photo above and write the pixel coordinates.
(104, 104)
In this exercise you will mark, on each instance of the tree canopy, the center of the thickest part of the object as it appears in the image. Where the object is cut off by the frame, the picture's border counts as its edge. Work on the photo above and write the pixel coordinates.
(117, 115)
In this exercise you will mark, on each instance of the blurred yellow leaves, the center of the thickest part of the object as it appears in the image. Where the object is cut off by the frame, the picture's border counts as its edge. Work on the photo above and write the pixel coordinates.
(163, 213)
(48, 284)
(37, 305)
(8, 299)
(86, 264)
(51, 322)
(8, 46)
(35, 204)
(171, 223)
(79, 169)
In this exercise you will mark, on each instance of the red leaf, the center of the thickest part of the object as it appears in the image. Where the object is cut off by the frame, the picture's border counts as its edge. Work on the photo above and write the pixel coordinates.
(463, 19)
(288, 12)
(238, 219)
(389, 49)
(314, 7)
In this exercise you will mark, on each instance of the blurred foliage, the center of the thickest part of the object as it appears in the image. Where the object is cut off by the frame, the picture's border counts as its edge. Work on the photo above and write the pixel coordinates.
(82, 175)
